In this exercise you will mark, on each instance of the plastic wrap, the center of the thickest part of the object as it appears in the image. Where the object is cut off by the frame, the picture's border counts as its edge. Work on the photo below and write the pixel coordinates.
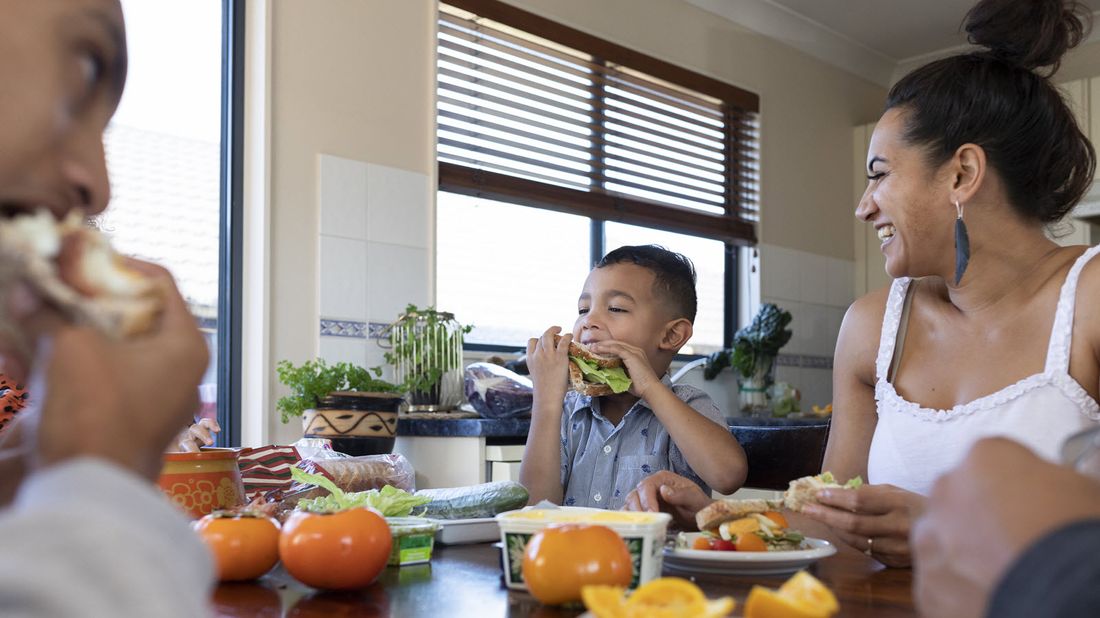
(496, 392)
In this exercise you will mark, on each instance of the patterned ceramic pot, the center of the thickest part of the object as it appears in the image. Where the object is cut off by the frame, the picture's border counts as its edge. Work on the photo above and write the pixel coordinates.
(202, 482)
(356, 423)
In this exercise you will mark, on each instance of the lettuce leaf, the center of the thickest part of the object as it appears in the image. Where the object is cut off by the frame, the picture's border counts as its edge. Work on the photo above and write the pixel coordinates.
(389, 501)
(615, 377)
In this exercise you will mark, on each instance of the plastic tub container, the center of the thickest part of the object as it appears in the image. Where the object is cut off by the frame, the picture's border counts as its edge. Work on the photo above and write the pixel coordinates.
(413, 539)
(644, 534)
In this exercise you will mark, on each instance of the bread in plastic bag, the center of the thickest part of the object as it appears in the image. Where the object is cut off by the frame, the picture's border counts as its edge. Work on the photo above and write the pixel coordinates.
(351, 474)
(496, 392)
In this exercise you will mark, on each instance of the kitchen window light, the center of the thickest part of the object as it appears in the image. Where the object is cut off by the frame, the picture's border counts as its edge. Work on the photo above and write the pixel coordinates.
(535, 114)
(173, 151)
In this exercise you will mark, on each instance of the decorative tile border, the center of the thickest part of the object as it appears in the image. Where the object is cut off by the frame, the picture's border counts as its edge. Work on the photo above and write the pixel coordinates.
(377, 330)
(808, 361)
(353, 329)
(343, 328)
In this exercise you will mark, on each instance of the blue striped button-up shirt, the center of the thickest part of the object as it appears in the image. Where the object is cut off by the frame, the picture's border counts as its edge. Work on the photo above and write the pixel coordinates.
(602, 462)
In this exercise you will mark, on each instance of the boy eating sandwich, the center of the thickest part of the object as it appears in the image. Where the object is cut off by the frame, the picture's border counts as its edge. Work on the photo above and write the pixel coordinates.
(637, 306)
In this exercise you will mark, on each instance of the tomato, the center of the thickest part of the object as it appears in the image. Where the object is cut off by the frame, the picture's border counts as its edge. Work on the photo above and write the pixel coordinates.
(749, 541)
(335, 551)
(560, 559)
(722, 545)
(778, 518)
(245, 546)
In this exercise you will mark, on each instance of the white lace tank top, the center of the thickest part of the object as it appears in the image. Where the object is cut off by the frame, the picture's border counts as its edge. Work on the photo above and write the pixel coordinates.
(912, 445)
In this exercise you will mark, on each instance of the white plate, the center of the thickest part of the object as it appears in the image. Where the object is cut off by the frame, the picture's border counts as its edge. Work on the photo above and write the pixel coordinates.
(462, 531)
(745, 562)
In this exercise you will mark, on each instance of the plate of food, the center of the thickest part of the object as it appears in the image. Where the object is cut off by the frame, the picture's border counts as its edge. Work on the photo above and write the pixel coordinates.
(732, 562)
(752, 537)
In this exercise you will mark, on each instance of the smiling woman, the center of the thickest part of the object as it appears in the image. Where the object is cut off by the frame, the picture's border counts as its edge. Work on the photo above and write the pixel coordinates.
(977, 335)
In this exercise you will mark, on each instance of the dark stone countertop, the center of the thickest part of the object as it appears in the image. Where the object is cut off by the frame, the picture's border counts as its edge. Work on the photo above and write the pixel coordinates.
(517, 427)
(757, 421)
(464, 427)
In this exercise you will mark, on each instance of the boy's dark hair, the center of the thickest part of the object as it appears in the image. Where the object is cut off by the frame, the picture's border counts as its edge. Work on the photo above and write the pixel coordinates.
(674, 274)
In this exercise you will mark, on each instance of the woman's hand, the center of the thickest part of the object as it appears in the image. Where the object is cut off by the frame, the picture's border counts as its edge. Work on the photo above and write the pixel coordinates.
(198, 435)
(670, 493)
(874, 519)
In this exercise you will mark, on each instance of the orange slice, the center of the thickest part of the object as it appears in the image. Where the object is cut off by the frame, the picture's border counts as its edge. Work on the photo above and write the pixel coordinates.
(604, 601)
(809, 589)
(765, 603)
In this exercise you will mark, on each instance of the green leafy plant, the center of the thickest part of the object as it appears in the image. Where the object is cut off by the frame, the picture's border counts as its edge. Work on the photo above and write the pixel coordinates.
(757, 343)
(433, 349)
(315, 379)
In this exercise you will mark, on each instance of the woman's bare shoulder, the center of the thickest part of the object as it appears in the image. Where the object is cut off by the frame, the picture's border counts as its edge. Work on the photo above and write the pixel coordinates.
(857, 343)
(1088, 289)
(866, 313)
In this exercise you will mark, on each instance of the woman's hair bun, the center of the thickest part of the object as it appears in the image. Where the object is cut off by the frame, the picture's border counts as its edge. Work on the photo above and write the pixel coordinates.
(1028, 33)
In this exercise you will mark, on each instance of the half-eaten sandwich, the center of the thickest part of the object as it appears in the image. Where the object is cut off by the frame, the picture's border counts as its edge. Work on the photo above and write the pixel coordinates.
(75, 270)
(800, 492)
(595, 375)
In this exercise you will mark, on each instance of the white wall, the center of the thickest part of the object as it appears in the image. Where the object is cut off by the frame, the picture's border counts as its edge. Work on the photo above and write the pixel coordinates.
(351, 96)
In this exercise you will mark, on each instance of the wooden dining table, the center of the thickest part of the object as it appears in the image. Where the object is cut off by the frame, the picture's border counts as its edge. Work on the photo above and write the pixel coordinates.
(465, 580)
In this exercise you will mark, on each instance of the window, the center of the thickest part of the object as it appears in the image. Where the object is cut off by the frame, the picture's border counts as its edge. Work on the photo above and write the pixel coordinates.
(169, 153)
(552, 142)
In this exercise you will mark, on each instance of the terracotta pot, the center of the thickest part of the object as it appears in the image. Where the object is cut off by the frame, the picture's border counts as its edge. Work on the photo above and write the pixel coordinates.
(202, 482)
(356, 423)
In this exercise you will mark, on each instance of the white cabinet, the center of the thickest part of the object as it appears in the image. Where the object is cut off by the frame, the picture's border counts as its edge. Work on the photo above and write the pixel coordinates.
(1083, 97)
(870, 264)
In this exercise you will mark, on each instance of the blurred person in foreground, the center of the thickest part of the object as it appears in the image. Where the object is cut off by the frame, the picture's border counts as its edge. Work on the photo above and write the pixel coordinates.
(1008, 534)
(85, 530)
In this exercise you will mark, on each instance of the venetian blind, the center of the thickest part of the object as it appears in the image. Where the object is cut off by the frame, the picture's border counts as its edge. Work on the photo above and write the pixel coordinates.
(538, 113)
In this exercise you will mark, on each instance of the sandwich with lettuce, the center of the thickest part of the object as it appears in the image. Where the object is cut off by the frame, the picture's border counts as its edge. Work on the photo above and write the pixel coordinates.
(595, 375)
(800, 492)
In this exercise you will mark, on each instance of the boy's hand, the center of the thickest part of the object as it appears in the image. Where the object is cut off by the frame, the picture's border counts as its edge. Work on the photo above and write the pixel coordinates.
(548, 364)
(642, 376)
(670, 493)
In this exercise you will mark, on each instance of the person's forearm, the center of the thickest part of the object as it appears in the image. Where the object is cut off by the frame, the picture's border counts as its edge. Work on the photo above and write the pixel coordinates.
(540, 470)
(13, 460)
(711, 450)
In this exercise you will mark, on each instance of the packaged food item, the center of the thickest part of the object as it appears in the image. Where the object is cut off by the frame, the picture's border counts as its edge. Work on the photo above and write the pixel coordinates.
(496, 392)
(644, 534)
(350, 474)
(413, 540)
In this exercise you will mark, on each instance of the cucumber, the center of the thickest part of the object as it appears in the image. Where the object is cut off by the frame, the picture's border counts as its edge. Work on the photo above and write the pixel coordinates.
(475, 501)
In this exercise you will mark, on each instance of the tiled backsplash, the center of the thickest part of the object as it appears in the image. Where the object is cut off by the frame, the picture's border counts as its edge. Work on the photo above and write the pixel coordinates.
(816, 290)
(374, 249)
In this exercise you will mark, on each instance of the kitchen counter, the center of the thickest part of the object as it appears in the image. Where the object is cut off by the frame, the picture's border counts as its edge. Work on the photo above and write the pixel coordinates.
(517, 427)
(464, 427)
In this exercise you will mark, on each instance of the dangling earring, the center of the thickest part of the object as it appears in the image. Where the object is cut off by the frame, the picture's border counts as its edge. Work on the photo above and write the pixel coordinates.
(962, 245)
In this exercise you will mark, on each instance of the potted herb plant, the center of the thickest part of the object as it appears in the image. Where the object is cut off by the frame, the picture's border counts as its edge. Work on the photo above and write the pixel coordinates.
(345, 403)
(426, 354)
(753, 354)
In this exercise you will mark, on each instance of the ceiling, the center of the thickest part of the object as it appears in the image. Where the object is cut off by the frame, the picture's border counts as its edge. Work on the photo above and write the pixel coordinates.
(871, 38)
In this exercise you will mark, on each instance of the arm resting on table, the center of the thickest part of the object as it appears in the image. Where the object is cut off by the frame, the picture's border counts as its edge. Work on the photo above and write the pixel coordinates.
(86, 538)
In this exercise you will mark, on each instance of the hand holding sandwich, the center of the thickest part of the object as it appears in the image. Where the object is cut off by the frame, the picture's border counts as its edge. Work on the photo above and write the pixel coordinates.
(548, 363)
(871, 518)
(642, 377)
(99, 395)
